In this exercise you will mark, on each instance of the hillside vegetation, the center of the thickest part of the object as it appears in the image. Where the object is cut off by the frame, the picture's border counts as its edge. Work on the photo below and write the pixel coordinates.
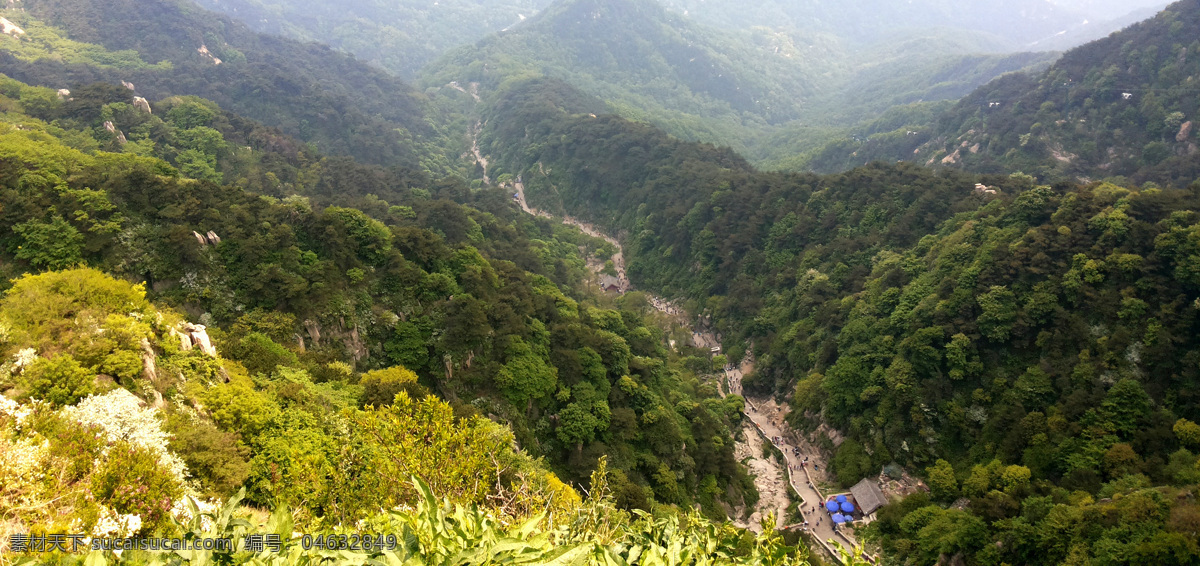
(1123, 107)
(1033, 345)
(401, 36)
(267, 299)
(309, 91)
(1116, 107)
(337, 297)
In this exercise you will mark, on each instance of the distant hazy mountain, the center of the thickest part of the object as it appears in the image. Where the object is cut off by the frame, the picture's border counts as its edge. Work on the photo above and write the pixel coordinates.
(404, 35)
(1123, 105)
(723, 86)
(1017, 23)
(399, 35)
(635, 52)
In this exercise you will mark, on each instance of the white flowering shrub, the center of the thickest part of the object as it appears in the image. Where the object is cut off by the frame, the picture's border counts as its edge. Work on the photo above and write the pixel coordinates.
(24, 358)
(122, 417)
(110, 524)
(14, 410)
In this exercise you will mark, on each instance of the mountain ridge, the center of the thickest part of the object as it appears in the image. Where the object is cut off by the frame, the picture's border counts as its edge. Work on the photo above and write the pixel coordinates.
(333, 95)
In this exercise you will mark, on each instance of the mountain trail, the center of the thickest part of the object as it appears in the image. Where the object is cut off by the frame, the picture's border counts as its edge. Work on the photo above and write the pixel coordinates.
(479, 157)
(804, 467)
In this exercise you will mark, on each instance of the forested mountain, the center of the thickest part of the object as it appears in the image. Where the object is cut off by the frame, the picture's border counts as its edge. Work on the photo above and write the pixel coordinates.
(308, 90)
(399, 35)
(1018, 24)
(1034, 345)
(1120, 107)
(729, 88)
(328, 287)
(268, 282)
(654, 65)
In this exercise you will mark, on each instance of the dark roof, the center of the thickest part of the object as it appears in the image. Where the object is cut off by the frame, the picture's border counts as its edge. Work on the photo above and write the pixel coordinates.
(868, 496)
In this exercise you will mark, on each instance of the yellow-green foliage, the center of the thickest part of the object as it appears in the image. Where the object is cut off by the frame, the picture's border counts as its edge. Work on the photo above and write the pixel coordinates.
(42, 41)
(440, 532)
(60, 380)
(381, 386)
(81, 311)
(469, 460)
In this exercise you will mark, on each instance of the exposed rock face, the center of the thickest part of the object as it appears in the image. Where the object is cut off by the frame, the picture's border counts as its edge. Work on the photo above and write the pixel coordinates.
(314, 332)
(203, 49)
(64, 94)
(149, 368)
(10, 28)
(185, 342)
(113, 130)
(982, 189)
(358, 348)
(951, 159)
(208, 238)
(196, 335)
(1185, 132)
(128, 85)
(142, 104)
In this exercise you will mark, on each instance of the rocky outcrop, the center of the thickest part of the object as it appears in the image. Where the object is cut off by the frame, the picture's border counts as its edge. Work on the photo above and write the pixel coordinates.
(203, 49)
(984, 190)
(194, 336)
(208, 238)
(10, 28)
(149, 368)
(314, 332)
(113, 130)
(358, 348)
(142, 104)
(128, 85)
(1185, 132)
(64, 94)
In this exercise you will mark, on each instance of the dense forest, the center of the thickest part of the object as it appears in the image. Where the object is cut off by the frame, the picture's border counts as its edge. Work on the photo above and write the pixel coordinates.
(401, 36)
(1034, 344)
(311, 92)
(327, 288)
(1116, 107)
(728, 87)
(1123, 107)
(251, 285)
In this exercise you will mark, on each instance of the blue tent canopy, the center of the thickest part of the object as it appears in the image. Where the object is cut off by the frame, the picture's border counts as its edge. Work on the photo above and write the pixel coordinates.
(839, 518)
(847, 507)
(831, 506)
(841, 498)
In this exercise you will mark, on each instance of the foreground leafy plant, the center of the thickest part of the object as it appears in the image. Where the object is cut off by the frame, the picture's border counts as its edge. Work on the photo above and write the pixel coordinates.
(440, 533)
